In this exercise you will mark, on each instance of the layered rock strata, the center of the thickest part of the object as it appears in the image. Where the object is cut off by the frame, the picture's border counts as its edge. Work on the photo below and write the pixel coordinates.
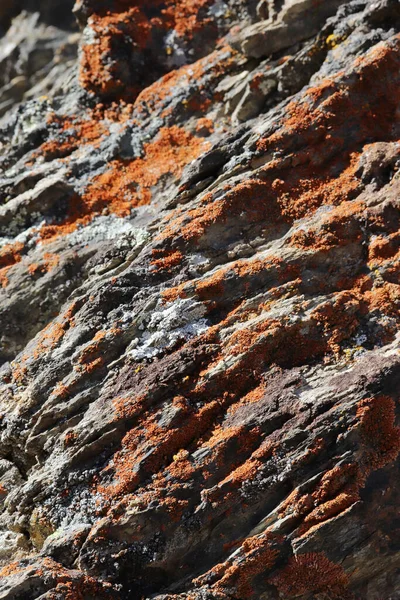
(199, 269)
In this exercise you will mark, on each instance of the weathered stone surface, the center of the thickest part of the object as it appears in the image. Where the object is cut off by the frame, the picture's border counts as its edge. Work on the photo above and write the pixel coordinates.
(199, 269)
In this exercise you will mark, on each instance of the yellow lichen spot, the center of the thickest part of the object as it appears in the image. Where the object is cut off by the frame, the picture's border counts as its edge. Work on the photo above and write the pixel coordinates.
(332, 41)
(181, 455)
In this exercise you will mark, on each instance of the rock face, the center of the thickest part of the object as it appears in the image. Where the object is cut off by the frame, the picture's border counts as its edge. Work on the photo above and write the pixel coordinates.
(199, 311)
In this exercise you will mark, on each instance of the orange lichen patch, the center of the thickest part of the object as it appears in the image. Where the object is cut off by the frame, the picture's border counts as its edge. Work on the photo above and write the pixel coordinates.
(172, 294)
(341, 315)
(339, 318)
(128, 184)
(336, 492)
(184, 16)
(243, 441)
(128, 34)
(251, 196)
(269, 201)
(312, 573)
(166, 260)
(338, 228)
(12, 569)
(50, 262)
(330, 509)
(10, 255)
(244, 472)
(92, 350)
(70, 438)
(147, 447)
(242, 340)
(257, 556)
(90, 366)
(101, 74)
(252, 397)
(181, 469)
(51, 335)
(76, 215)
(256, 80)
(308, 188)
(379, 435)
(118, 112)
(325, 110)
(4, 281)
(70, 135)
(296, 504)
(127, 408)
(243, 270)
(339, 488)
(336, 480)
(157, 96)
(60, 390)
(384, 299)
(204, 125)
(382, 248)
(265, 342)
(69, 585)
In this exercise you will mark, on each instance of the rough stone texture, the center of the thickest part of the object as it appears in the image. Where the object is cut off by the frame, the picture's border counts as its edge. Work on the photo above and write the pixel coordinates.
(199, 311)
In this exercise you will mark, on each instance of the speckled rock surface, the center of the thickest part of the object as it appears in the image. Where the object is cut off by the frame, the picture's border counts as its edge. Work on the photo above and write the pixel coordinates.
(199, 270)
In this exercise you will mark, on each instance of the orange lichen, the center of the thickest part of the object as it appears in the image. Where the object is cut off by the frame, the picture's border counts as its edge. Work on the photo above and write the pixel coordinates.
(158, 96)
(330, 509)
(312, 573)
(338, 228)
(212, 287)
(244, 472)
(204, 125)
(250, 196)
(130, 32)
(98, 72)
(50, 262)
(339, 318)
(10, 255)
(382, 248)
(70, 134)
(257, 556)
(51, 335)
(379, 434)
(128, 184)
(336, 492)
(70, 438)
(329, 106)
(12, 569)
(184, 15)
(60, 390)
(3, 276)
(146, 447)
(166, 260)
(127, 408)
(92, 353)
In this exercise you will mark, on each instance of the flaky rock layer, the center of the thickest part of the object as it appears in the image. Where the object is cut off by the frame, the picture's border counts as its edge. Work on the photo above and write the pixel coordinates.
(199, 270)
